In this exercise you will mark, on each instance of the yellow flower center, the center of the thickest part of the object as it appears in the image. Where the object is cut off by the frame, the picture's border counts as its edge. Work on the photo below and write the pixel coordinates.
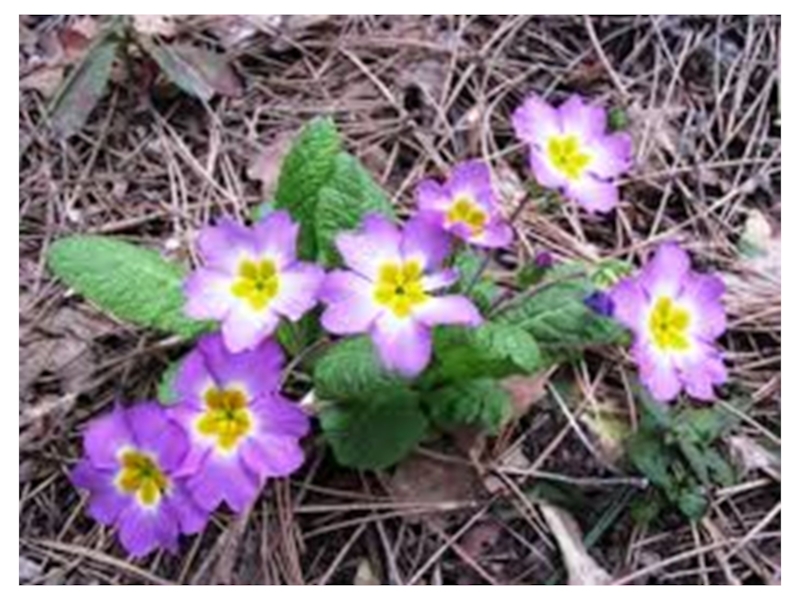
(668, 325)
(465, 211)
(565, 154)
(226, 417)
(139, 475)
(257, 283)
(399, 287)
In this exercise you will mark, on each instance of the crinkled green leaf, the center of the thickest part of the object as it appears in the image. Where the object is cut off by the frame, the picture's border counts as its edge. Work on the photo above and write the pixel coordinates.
(133, 283)
(693, 503)
(307, 167)
(83, 87)
(349, 195)
(478, 402)
(650, 457)
(558, 319)
(374, 433)
(491, 350)
(484, 292)
(166, 387)
(352, 370)
(197, 71)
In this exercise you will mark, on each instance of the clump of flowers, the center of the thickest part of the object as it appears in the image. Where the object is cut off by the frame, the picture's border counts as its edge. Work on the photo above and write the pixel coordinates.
(389, 290)
(242, 431)
(251, 278)
(466, 206)
(570, 150)
(676, 315)
(134, 471)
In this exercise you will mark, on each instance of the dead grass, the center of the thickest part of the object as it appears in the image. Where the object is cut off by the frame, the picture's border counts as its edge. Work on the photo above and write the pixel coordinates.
(412, 95)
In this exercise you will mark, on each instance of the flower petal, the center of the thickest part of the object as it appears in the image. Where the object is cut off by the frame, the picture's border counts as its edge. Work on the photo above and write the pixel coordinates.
(297, 294)
(105, 501)
(424, 242)
(431, 197)
(535, 121)
(222, 246)
(472, 177)
(208, 294)
(143, 530)
(593, 194)
(277, 415)
(701, 375)
(584, 120)
(498, 234)
(546, 174)
(350, 305)
(657, 372)
(244, 328)
(440, 279)
(223, 479)
(703, 296)
(104, 438)
(630, 304)
(448, 310)
(365, 251)
(666, 273)
(155, 433)
(191, 518)
(611, 155)
(403, 344)
(273, 455)
(275, 237)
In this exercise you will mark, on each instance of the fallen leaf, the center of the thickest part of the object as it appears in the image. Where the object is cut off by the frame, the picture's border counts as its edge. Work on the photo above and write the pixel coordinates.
(754, 457)
(525, 391)
(365, 574)
(425, 480)
(45, 80)
(761, 245)
(609, 429)
(266, 164)
(581, 568)
(162, 25)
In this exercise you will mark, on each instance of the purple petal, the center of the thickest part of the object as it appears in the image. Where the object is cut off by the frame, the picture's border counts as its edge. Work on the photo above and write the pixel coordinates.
(104, 438)
(275, 237)
(376, 243)
(703, 296)
(403, 344)
(544, 171)
(448, 310)
(350, 305)
(630, 304)
(244, 329)
(143, 530)
(665, 274)
(611, 155)
(703, 374)
(276, 415)
(440, 279)
(299, 285)
(258, 370)
(584, 120)
(208, 294)
(191, 518)
(223, 479)
(105, 501)
(431, 197)
(424, 242)
(593, 194)
(193, 377)
(271, 455)
(155, 433)
(498, 234)
(657, 372)
(222, 246)
(535, 121)
(473, 178)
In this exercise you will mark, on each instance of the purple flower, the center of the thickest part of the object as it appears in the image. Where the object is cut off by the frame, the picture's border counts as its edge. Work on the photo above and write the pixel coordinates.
(133, 458)
(389, 290)
(600, 302)
(250, 279)
(570, 150)
(675, 315)
(466, 206)
(241, 430)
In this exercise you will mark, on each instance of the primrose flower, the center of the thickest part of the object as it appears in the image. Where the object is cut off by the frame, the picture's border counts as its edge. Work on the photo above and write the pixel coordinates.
(241, 430)
(133, 458)
(250, 279)
(466, 206)
(389, 290)
(675, 315)
(570, 150)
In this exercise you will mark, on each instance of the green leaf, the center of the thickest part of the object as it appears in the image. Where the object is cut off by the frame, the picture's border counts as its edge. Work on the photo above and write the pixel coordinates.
(704, 424)
(617, 119)
(195, 70)
(83, 87)
(650, 457)
(374, 433)
(491, 350)
(480, 402)
(307, 167)
(695, 457)
(484, 292)
(721, 470)
(166, 387)
(693, 503)
(349, 195)
(134, 284)
(352, 370)
(558, 319)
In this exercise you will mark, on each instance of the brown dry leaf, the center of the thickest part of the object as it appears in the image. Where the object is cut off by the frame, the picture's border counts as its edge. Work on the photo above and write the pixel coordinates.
(763, 242)
(365, 575)
(754, 457)
(525, 391)
(423, 479)
(609, 429)
(266, 164)
(46, 80)
(233, 30)
(162, 25)
(581, 568)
